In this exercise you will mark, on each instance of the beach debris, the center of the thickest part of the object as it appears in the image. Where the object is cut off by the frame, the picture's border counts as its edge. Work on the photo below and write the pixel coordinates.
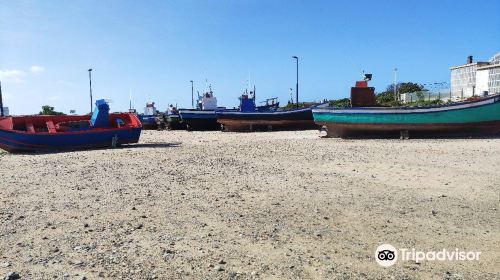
(434, 212)
(168, 255)
(218, 268)
(12, 276)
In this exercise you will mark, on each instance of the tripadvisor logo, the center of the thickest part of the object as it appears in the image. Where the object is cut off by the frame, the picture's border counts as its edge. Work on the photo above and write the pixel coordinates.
(387, 255)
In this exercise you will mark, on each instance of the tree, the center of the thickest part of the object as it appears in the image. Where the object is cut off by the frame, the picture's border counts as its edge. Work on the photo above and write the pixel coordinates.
(49, 110)
(405, 87)
(386, 97)
(344, 102)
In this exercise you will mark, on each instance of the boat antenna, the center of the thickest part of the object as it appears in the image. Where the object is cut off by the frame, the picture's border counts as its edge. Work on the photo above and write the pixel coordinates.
(130, 100)
(1, 101)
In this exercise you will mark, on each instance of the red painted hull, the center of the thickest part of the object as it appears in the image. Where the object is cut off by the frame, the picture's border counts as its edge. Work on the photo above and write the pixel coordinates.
(34, 133)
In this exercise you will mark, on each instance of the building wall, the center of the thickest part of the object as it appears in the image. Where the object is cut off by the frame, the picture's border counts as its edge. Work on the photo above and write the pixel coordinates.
(6, 111)
(482, 81)
(463, 81)
(494, 80)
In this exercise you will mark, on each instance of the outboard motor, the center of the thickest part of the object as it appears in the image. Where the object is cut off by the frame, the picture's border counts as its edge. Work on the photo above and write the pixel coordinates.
(100, 117)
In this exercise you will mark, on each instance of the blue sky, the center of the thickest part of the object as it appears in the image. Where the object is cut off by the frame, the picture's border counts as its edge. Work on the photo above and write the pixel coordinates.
(153, 48)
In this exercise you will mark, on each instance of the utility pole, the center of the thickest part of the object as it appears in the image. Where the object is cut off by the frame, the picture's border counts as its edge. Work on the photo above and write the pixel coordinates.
(90, 84)
(1, 101)
(297, 84)
(192, 95)
(395, 84)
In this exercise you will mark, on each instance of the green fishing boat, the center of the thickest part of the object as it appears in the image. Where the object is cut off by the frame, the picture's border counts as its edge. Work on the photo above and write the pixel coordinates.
(481, 115)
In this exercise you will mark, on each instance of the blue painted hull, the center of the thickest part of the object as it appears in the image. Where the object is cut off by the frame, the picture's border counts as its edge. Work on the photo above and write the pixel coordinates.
(17, 141)
(199, 119)
(148, 121)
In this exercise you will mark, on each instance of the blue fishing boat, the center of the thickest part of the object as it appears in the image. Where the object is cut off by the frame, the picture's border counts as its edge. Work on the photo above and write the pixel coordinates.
(203, 117)
(52, 133)
(250, 117)
(148, 119)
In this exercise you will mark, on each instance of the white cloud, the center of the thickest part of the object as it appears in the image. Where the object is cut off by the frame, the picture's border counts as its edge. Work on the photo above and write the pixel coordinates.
(36, 69)
(12, 76)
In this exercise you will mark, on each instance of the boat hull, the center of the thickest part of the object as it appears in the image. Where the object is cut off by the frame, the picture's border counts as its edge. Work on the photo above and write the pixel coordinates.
(300, 119)
(468, 118)
(174, 122)
(148, 121)
(199, 119)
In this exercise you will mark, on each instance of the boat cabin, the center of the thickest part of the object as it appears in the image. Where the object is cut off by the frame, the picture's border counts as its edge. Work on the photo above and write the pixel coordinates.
(361, 94)
(207, 101)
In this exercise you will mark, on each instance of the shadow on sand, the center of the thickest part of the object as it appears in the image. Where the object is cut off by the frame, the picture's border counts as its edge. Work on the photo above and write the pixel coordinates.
(154, 145)
(129, 146)
(429, 137)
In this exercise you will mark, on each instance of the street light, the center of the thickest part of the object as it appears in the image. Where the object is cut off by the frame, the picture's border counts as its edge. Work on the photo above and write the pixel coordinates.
(90, 84)
(297, 84)
(395, 84)
(1, 101)
(192, 95)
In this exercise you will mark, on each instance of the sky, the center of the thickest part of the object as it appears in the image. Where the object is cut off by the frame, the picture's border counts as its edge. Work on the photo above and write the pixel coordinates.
(152, 49)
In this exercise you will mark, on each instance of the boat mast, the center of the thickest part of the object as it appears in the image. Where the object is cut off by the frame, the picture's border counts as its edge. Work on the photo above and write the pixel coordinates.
(130, 100)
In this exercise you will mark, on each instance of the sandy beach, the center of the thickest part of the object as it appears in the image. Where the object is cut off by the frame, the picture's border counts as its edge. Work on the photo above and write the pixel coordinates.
(270, 205)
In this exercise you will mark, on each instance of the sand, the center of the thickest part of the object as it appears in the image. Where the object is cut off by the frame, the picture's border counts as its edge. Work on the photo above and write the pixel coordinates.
(270, 205)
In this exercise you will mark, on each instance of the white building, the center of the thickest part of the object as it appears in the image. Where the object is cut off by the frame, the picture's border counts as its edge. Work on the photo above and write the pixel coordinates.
(475, 78)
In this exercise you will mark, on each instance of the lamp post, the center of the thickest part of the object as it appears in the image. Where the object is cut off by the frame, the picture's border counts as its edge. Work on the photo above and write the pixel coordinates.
(1, 101)
(90, 84)
(297, 84)
(395, 84)
(192, 95)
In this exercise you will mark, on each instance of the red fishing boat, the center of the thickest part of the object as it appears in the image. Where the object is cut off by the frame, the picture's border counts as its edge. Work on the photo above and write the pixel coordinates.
(52, 133)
